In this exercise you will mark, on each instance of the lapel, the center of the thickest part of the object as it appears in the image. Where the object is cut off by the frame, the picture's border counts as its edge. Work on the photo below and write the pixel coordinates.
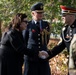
(42, 24)
(33, 26)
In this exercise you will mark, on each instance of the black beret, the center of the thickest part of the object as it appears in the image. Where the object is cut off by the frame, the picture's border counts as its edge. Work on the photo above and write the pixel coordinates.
(38, 7)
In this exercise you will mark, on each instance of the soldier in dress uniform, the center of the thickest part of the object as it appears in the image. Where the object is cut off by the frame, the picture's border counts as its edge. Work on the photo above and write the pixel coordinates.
(37, 34)
(68, 36)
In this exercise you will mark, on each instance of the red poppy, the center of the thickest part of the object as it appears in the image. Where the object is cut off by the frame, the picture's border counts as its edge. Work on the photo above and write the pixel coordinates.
(33, 30)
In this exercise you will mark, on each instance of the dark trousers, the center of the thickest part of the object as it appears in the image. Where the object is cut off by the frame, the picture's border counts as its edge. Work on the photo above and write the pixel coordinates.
(38, 68)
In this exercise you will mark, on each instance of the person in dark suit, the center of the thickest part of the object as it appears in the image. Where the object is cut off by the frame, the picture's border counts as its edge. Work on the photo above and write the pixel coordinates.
(13, 47)
(68, 38)
(38, 37)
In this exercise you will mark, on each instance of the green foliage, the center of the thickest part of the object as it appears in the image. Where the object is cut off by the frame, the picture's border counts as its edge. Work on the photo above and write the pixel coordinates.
(9, 8)
(56, 27)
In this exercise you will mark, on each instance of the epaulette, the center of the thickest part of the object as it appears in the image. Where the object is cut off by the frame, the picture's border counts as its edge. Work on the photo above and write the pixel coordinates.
(46, 22)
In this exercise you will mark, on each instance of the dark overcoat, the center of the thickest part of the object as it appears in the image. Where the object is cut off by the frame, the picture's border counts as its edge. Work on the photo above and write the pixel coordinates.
(37, 40)
(11, 53)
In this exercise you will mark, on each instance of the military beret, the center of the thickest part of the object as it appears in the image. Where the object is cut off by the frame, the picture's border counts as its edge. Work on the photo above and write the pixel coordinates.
(67, 10)
(38, 7)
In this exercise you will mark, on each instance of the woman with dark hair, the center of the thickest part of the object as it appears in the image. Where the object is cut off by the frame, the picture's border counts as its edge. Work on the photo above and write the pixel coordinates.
(13, 47)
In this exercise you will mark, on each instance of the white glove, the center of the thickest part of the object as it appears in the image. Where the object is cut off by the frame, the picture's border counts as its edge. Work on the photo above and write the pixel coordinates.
(43, 54)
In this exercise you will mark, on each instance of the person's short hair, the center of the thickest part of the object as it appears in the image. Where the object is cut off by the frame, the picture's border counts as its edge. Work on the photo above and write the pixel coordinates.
(38, 7)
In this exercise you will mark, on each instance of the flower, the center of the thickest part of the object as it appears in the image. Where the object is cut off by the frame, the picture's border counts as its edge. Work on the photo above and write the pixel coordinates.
(33, 30)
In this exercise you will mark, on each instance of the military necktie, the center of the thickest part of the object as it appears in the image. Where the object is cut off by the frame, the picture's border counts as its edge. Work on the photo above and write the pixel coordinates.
(38, 26)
